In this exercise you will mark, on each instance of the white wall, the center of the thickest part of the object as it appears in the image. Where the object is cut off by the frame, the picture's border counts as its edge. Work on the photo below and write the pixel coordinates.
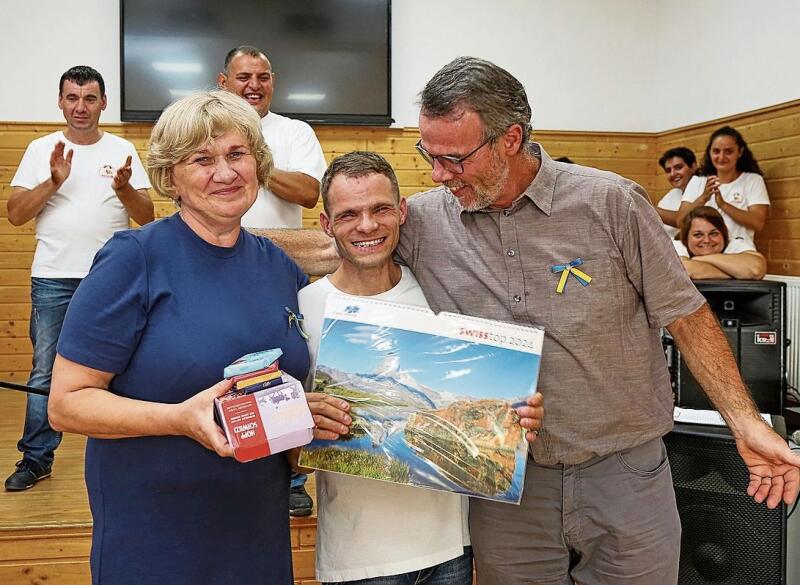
(586, 64)
(721, 57)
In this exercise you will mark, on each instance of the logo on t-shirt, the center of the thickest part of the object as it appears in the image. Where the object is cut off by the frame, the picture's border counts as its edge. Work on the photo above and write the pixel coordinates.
(737, 197)
(106, 171)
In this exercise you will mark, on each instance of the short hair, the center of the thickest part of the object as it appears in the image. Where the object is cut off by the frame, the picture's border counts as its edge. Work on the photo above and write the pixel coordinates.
(681, 152)
(746, 163)
(248, 50)
(192, 122)
(358, 164)
(493, 93)
(709, 214)
(81, 75)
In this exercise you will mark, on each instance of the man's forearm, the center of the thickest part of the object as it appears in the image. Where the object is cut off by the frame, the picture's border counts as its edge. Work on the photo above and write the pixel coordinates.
(706, 351)
(669, 218)
(137, 203)
(313, 251)
(295, 187)
(25, 204)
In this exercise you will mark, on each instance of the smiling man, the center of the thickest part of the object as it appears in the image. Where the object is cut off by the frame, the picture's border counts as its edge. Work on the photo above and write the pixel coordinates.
(679, 164)
(372, 531)
(299, 162)
(501, 239)
(81, 185)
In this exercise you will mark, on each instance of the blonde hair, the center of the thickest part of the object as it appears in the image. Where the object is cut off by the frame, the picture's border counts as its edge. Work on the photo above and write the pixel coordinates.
(192, 122)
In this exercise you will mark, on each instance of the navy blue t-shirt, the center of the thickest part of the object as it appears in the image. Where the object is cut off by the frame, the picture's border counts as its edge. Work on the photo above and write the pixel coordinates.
(166, 311)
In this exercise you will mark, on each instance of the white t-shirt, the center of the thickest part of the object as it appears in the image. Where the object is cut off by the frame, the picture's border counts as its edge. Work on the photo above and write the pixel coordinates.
(368, 528)
(735, 246)
(748, 189)
(294, 147)
(85, 212)
(671, 202)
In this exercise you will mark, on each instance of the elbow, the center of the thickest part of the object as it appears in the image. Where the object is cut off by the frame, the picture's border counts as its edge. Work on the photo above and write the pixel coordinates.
(14, 218)
(311, 199)
(55, 415)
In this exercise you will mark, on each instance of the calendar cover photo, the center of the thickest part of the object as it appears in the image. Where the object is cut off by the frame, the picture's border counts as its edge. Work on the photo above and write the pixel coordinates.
(432, 397)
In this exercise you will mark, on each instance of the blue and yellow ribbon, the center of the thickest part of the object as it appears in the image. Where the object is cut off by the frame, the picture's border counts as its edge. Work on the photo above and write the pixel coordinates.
(566, 270)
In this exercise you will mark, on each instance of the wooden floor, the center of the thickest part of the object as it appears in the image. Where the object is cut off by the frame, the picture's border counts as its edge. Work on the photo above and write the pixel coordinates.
(45, 532)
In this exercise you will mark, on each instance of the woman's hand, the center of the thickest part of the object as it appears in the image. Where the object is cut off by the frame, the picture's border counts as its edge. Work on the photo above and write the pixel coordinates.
(711, 190)
(196, 419)
(531, 415)
(330, 415)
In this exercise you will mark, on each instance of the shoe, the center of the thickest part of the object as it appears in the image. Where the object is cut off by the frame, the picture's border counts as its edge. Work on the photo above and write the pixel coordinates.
(27, 474)
(300, 503)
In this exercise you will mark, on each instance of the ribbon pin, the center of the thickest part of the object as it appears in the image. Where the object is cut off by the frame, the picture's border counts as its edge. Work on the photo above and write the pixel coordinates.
(296, 319)
(566, 270)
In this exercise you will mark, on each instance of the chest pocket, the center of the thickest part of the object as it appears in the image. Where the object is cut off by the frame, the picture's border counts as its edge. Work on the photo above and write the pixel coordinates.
(580, 310)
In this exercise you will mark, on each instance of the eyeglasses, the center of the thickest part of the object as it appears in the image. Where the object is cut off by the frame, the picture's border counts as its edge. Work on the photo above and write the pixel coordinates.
(452, 164)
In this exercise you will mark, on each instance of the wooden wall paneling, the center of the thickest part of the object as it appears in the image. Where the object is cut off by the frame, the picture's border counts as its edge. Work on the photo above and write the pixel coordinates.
(773, 133)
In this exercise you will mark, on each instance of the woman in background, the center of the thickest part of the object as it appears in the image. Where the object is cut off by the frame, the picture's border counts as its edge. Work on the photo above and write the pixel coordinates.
(707, 252)
(730, 182)
(146, 338)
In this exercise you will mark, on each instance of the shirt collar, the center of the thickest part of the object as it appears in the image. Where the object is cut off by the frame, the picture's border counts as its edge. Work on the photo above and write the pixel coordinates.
(541, 189)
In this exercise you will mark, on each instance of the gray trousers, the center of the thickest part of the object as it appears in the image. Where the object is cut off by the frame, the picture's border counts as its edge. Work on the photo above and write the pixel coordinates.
(609, 521)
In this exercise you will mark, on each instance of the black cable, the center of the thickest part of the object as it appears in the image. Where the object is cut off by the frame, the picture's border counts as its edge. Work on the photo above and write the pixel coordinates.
(21, 388)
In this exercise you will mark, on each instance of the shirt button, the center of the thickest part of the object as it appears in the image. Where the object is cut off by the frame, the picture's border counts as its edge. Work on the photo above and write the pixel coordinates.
(517, 298)
(511, 253)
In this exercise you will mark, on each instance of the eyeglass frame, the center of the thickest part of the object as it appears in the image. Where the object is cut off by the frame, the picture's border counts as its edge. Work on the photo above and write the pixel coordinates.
(457, 161)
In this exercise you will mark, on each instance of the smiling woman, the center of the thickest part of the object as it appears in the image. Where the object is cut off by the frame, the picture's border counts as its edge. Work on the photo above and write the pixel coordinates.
(730, 181)
(142, 351)
(707, 252)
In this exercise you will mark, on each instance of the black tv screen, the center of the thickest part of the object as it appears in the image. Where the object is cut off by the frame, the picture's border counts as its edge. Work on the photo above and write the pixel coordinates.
(331, 57)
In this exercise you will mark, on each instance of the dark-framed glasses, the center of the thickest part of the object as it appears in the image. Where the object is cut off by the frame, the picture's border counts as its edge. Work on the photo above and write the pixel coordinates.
(452, 164)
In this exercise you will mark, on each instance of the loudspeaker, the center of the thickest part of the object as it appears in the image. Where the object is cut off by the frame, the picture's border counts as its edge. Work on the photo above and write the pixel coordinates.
(727, 538)
(752, 314)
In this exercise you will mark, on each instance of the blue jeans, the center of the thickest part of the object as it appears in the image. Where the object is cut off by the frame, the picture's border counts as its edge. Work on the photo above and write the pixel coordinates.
(298, 479)
(49, 300)
(457, 571)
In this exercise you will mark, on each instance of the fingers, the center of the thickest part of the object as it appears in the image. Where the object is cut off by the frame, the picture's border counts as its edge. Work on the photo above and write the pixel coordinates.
(791, 485)
(531, 415)
(128, 161)
(69, 156)
(218, 442)
(330, 415)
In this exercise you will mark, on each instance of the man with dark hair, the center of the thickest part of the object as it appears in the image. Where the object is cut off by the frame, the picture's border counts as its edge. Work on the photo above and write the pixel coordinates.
(82, 185)
(392, 533)
(680, 164)
(512, 235)
(293, 183)
(299, 162)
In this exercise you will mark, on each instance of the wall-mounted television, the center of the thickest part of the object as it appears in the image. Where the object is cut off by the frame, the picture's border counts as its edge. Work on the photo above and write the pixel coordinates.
(331, 57)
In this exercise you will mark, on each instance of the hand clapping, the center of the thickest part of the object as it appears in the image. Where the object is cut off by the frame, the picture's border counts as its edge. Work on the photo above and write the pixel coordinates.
(60, 165)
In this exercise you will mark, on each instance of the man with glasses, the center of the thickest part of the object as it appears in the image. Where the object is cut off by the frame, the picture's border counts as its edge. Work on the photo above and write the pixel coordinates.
(513, 235)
